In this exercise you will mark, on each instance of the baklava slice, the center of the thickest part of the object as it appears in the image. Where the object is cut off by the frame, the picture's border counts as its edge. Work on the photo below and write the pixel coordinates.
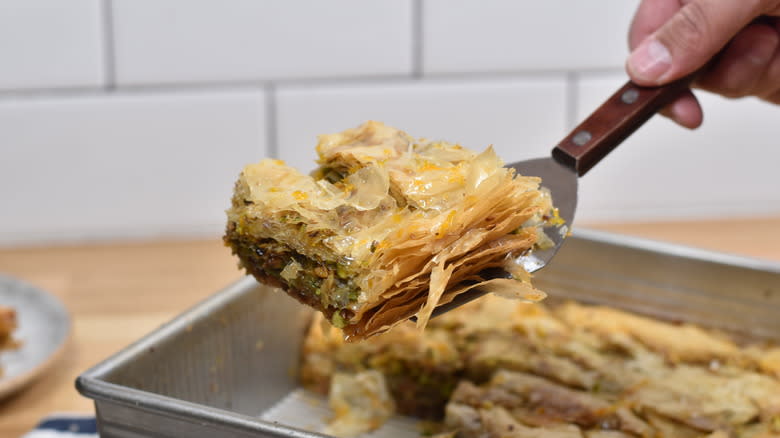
(7, 326)
(387, 227)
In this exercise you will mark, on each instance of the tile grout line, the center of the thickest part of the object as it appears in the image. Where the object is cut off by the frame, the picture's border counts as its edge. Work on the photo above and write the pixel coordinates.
(109, 55)
(572, 99)
(242, 85)
(417, 38)
(271, 119)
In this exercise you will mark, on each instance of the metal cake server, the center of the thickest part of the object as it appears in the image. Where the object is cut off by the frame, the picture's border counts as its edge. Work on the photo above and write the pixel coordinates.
(601, 132)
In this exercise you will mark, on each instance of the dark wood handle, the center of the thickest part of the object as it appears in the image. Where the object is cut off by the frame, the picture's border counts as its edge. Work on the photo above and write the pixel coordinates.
(617, 118)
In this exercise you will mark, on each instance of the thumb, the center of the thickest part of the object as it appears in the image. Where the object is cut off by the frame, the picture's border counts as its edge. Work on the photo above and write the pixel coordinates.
(685, 42)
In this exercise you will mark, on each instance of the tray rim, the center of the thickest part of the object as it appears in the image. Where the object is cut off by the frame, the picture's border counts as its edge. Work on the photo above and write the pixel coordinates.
(91, 384)
(679, 250)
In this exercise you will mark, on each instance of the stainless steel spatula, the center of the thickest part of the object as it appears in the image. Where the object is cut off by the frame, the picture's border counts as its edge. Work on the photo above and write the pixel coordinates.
(617, 118)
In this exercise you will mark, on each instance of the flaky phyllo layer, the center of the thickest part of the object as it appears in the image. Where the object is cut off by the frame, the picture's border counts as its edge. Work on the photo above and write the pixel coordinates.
(387, 227)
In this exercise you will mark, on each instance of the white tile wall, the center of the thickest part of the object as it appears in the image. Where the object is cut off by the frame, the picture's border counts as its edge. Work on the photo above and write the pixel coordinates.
(205, 40)
(125, 165)
(510, 35)
(122, 118)
(521, 118)
(50, 44)
(728, 167)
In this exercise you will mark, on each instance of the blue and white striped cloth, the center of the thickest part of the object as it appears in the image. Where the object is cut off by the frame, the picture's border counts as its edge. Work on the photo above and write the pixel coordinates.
(65, 426)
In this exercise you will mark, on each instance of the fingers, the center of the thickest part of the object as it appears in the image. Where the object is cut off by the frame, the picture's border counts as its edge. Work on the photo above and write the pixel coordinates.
(673, 38)
(685, 111)
(742, 67)
(688, 39)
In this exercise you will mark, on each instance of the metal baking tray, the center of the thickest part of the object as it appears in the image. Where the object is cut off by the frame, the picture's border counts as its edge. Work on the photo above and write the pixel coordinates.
(212, 371)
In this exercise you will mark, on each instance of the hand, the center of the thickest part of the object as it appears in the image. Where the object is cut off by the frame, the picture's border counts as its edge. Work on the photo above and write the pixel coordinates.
(672, 38)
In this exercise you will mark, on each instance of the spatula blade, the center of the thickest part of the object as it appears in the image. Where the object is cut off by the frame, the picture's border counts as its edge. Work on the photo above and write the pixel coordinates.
(561, 181)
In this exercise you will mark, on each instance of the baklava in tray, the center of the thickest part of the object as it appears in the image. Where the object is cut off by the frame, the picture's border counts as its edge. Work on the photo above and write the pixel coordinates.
(503, 368)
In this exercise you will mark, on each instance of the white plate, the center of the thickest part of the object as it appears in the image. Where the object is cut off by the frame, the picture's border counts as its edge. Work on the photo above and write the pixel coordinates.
(44, 326)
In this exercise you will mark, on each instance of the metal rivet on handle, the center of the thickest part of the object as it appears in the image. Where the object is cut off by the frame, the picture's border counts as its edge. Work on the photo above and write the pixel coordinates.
(630, 96)
(581, 138)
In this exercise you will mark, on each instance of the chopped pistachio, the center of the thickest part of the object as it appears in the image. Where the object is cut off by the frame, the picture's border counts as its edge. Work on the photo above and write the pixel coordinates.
(337, 320)
(342, 271)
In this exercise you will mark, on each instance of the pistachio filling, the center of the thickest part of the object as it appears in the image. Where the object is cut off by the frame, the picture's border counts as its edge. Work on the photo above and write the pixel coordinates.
(327, 283)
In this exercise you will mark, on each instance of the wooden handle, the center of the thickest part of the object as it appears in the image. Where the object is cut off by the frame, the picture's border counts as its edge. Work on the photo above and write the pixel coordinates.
(617, 118)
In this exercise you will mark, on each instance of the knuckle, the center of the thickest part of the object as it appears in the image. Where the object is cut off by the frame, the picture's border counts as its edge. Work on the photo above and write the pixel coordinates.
(736, 89)
(773, 98)
(726, 91)
(770, 94)
(722, 87)
(768, 87)
(733, 94)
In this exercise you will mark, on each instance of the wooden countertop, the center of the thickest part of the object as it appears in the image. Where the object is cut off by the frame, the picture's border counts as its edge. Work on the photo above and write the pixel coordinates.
(116, 293)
